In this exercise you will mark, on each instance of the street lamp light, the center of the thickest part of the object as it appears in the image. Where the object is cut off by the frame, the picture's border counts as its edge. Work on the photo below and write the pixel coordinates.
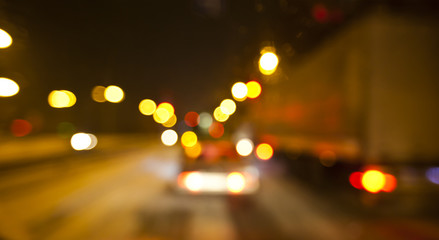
(268, 62)
(8, 88)
(5, 39)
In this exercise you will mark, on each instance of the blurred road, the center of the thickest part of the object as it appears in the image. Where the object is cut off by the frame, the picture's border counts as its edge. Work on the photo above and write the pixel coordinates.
(122, 190)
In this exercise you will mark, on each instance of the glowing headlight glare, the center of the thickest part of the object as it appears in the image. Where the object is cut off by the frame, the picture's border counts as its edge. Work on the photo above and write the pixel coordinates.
(235, 182)
(81, 141)
(8, 87)
(193, 181)
(244, 147)
(169, 137)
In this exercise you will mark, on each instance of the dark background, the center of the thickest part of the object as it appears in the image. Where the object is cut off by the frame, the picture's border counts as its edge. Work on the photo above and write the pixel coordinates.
(186, 52)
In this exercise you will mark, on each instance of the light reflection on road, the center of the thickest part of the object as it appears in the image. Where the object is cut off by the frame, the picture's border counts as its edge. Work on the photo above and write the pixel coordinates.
(124, 191)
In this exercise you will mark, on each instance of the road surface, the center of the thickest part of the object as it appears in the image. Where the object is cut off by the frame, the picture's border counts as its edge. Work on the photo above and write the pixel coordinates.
(122, 190)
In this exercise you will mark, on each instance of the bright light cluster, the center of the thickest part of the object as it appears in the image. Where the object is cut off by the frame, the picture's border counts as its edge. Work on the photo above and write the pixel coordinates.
(61, 99)
(112, 93)
(373, 181)
(163, 113)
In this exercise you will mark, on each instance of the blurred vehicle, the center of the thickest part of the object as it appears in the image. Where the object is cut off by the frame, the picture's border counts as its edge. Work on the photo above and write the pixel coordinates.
(218, 170)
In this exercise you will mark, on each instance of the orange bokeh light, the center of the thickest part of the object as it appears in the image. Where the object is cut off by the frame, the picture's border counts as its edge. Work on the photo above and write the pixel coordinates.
(20, 127)
(390, 183)
(264, 151)
(216, 130)
(192, 119)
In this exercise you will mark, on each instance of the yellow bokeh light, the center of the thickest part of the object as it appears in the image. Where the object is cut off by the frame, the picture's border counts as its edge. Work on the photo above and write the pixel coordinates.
(268, 63)
(189, 139)
(161, 115)
(58, 99)
(97, 94)
(244, 147)
(147, 107)
(72, 98)
(264, 151)
(254, 89)
(5, 39)
(228, 106)
(61, 99)
(169, 137)
(168, 107)
(373, 181)
(194, 151)
(235, 182)
(219, 115)
(239, 91)
(114, 94)
(8, 87)
(171, 122)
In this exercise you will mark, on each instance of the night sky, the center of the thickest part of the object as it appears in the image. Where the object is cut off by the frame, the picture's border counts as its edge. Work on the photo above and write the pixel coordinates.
(186, 52)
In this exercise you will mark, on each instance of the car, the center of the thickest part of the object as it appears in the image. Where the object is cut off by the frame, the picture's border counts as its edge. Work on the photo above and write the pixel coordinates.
(218, 169)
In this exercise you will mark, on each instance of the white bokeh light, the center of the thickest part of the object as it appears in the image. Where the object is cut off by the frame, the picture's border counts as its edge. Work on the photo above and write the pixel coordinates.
(244, 147)
(169, 137)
